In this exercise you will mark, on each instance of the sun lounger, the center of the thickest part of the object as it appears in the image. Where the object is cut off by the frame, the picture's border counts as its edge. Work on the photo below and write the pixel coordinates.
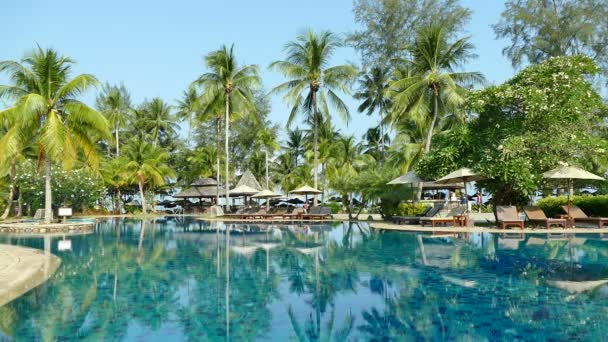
(318, 213)
(296, 214)
(538, 217)
(579, 216)
(451, 217)
(507, 217)
(433, 211)
(405, 219)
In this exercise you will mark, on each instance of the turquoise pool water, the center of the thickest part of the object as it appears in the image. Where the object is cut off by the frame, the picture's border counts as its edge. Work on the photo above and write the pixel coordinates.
(188, 280)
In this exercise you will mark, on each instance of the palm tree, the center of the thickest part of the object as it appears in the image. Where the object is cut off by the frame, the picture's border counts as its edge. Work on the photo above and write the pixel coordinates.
(235, 85)
(312, 83)
(211, 105)
(113, 174)
(295, 144)
(47, 110)
(187, 108)
(146, 165)
(431, 86)
(372, 91)
(158, 119)
(115, 103)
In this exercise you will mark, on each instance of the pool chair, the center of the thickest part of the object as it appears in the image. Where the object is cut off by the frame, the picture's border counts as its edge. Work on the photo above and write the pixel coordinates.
(579, 216)
(508, 217)
(431, 212)
(537, 216)
(405, 219)
(450, 217)
(318, 214)
(257, 214)
(238, 214)
(296, 214)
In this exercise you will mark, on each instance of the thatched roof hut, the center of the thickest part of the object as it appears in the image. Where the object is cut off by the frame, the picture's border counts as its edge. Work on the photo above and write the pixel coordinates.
(249, 180)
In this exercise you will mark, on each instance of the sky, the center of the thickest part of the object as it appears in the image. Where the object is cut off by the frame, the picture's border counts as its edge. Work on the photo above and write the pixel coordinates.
(156, 48)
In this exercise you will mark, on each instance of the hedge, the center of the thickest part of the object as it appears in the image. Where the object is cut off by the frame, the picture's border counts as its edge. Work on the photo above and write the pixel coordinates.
(591, 205)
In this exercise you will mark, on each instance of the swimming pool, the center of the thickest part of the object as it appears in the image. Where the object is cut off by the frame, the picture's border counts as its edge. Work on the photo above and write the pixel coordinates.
(182, 279)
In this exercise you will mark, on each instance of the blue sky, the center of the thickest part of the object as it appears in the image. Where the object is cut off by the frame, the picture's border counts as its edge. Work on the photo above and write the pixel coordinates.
(156, 47)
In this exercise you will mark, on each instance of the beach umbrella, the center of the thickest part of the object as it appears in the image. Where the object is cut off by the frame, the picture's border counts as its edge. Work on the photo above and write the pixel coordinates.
(463, 175)
(243, 190)
(305, 190)
(570, 173)
(409, 178)
(267, 194)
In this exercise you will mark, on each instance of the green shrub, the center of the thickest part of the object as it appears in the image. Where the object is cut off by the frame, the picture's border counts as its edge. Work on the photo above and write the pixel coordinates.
(484, 208)
(591, 205)
(334, 206)
(405, 209)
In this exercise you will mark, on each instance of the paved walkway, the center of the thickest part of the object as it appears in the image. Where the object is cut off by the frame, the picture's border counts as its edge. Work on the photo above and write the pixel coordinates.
(22, 269)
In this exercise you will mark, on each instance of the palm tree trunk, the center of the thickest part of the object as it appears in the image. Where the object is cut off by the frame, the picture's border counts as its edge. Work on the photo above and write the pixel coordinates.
(119, 201)
(227, 176)
(11, 192)
(20, 204)
(48, 195)
(218, 143)
(381, 138)
(117, 147)
(315, 145)
(143, 198)
(429, 135)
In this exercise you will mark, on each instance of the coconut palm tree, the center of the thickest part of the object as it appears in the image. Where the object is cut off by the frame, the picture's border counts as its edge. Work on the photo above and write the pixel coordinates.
(114, 177)
(187, 108)
(211, 104)
(372, 93)
(145, 164)
(158, 119)
(115, 103)
(234, 85)
(431, 86)
(295, 144)
(48, 111)
(312, 82)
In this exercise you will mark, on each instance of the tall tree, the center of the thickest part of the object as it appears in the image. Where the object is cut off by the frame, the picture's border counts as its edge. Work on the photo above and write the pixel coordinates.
(187, 108)
(372, 93)
(235, 84)
(146, 165)
(432, 86)
(115, 103)
(539, 29)
(48, 111)
(158, 119)
(389, 26)
(295, 144)
(313, 83)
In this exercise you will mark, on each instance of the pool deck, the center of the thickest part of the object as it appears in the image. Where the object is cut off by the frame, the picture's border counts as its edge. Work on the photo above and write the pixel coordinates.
(475, 229)
(29, 227)
(22, 269)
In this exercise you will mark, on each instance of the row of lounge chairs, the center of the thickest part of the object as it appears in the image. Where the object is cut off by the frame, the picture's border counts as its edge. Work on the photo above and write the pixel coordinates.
(286, 214)
(508, 216)
(430, 215)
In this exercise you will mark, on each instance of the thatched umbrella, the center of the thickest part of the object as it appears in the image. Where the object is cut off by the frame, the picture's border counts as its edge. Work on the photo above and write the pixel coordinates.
(243, 190)
(305, 190)
(569, 173)
(267, 194)
(463, 175)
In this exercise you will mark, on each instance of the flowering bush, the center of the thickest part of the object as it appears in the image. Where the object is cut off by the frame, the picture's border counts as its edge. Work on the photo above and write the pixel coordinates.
(549, 113)
(79, 189)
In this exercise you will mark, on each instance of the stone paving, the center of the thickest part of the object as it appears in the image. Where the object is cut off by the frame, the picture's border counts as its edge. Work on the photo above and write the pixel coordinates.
(22, 269)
